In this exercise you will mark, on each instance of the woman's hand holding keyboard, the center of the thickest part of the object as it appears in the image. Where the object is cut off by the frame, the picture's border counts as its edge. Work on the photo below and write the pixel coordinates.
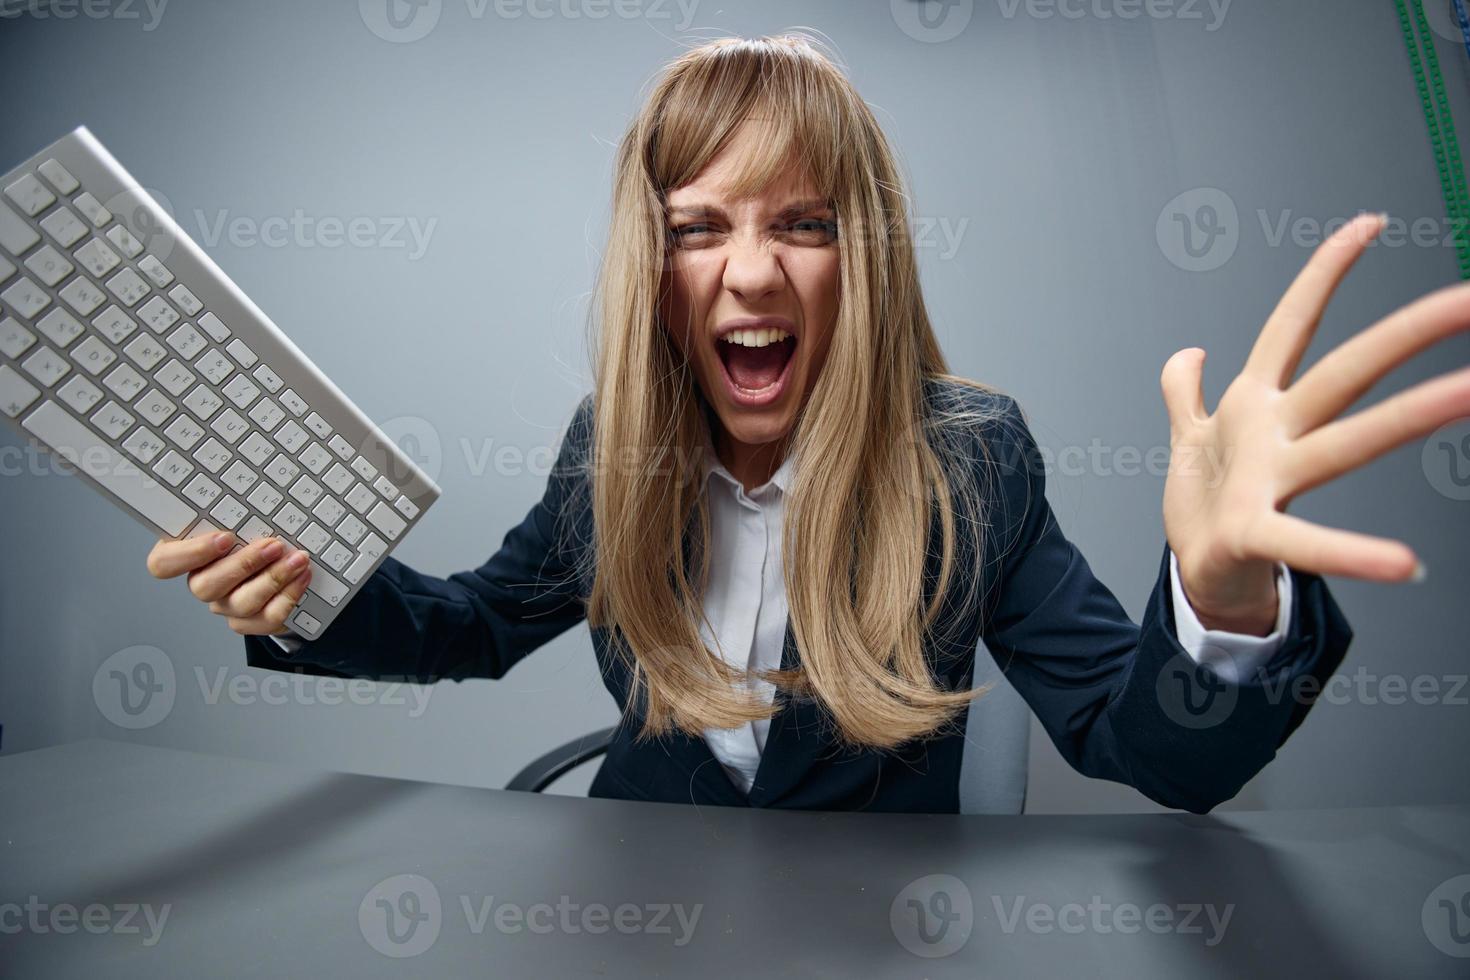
(255, 588)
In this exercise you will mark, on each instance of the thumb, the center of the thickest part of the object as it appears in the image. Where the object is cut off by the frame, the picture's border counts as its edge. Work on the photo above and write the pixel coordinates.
(1181, 383)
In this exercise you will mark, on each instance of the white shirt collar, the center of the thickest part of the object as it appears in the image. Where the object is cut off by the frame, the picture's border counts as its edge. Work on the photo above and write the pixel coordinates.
(710, 463)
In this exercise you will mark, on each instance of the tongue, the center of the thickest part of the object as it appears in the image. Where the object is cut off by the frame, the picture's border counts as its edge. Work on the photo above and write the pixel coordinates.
(756, 367)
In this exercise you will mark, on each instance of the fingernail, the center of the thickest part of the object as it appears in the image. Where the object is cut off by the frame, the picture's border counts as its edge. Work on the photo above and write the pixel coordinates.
(1420, 573)
(298, 560)
(272, 549)
(222, 542)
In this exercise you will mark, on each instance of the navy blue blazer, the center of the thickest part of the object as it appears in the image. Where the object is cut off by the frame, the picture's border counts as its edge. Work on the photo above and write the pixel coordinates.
(1121, 701)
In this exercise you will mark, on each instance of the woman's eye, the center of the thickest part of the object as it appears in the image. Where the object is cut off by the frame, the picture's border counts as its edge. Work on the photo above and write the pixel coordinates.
(816, 227)
(685, 231)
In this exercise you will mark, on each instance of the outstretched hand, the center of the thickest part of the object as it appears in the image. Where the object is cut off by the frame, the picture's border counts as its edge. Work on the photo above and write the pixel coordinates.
(1232, 473)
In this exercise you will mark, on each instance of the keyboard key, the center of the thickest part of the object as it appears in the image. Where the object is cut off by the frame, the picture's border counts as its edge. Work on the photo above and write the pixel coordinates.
(93, 355)
(60, 326)
(173, 468)
(290, 519)
(16, 236)
(202, 491)
(74, 441)
(373, 546)
(175, 378)
(187, 341)
(230, 426)
(336, 556)
(153, 408)
(48, 265)
(305, 623)
(406, 507)
(384, 519)
(268, 378)
(387, 489)
(58, 176)
(15, 339)
(338, 479)
(92, 209)
(329, 511)
(315, 457)
(187, 301)
(125, 242)
(143, 445)
(125, 383)
(265, 498)
(113, 420)
(158, 314)
(214, 366)
(155, 270)
(306, 491)
(16, 393)
(212, 456)
(314, 538)
(185, 432)
(351, 529)
(81, 295)
(81, 394)
(214, 327)
(326, 586)
(7, 268)
(241, 353)
(30, 195)
(203, 402)
(64, 226)
(267, 414)
(97, 258)
(254, 529)
(241, 390)
(291, 437)
(341, 447)
(364, 469)
(293, 403)
(146, 351)
(128, 287)
(319, 425)
(114, 324)
(256, 448)
(229, 512)
(359, 568)
(26, 298)
(46, 366)
(360, 498)
(239, 477)
(282, 470)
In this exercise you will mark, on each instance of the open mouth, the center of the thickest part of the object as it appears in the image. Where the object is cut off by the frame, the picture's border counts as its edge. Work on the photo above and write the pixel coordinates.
(756, 369)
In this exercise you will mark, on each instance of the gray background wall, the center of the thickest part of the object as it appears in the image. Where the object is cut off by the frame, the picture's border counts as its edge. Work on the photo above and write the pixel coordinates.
(1045, 152)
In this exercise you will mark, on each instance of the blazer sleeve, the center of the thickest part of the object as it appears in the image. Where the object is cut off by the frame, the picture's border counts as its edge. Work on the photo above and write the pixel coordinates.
(406, 625)
(1123, 701)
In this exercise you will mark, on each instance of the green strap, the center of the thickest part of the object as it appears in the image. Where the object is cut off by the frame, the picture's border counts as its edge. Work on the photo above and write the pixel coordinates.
(1447, 161)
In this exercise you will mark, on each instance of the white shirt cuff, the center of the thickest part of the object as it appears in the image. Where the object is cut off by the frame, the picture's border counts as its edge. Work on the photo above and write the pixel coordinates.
(1230, 655)
(290, 642)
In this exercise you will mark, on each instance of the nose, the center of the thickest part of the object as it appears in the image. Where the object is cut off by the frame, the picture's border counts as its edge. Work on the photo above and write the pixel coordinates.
(753, 271)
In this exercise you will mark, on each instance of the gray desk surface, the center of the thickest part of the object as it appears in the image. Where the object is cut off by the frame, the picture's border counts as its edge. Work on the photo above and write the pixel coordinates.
(272, 871)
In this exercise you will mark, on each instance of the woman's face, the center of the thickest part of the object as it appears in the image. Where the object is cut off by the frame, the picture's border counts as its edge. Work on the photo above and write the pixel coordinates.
(768, 261)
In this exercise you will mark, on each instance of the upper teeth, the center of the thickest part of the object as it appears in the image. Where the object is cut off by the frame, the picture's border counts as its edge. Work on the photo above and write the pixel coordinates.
(756, 338)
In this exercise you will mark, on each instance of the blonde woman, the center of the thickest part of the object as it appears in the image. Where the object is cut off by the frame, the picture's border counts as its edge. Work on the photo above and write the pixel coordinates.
(789, 527)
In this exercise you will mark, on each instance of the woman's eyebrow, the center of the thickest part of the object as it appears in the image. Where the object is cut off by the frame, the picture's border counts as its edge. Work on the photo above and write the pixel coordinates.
(792, 210)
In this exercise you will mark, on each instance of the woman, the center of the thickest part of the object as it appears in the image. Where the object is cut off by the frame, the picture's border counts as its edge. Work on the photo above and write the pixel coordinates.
(792, 622)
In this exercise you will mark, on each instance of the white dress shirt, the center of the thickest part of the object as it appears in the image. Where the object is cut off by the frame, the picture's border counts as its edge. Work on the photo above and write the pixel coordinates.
(745, 604)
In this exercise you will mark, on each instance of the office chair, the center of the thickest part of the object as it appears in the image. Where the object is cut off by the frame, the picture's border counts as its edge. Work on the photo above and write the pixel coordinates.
(992, 772)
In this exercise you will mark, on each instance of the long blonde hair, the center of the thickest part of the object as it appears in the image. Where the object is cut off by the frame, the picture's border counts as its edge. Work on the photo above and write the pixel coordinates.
(856, 528)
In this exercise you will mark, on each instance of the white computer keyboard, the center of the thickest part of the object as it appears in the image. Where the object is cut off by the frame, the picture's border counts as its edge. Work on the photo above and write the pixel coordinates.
(129, 354)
